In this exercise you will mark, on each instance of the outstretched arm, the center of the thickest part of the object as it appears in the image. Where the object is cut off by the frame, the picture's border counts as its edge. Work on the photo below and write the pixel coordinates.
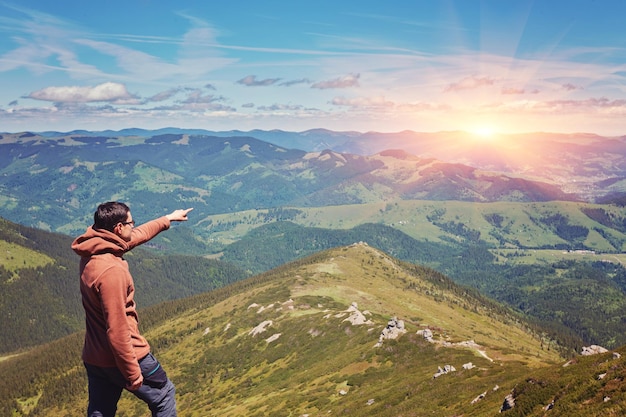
(178, 215)
(145, 232)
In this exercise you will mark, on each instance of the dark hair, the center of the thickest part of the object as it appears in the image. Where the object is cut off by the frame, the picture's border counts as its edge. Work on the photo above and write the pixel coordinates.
(108, 215)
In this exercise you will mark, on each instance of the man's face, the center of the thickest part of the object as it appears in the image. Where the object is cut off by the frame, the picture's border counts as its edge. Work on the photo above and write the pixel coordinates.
(125, 229)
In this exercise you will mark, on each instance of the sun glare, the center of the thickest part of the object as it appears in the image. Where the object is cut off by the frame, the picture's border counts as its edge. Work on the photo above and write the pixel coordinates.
(484, 132)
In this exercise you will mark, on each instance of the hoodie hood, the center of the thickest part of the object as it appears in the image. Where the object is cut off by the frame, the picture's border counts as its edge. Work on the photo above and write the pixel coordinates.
(98, 241)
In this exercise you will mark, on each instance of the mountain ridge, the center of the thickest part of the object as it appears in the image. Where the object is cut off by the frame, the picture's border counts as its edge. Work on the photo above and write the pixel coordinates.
(547, 156)
(302, 339)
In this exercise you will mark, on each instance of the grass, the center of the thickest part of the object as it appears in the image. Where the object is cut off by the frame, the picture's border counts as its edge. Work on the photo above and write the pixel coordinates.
(14, 257)
(319, 354)
(422, 220)
(319, 364)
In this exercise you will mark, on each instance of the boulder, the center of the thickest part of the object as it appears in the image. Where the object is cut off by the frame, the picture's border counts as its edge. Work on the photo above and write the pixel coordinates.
(593, 350)
(445, 370)
(480, 397)
(426, 334)
(260, 328)
(393, 330)
(356, 317)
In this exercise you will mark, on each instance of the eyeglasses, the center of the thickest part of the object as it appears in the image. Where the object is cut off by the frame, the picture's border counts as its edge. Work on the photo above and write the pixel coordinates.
(132, 223)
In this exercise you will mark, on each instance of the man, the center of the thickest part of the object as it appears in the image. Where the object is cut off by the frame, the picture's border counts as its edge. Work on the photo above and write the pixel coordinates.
(115, 354)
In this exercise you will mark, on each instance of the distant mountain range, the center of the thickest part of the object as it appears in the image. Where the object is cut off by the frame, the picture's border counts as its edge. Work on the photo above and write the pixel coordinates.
(588, 165)
(53, 182)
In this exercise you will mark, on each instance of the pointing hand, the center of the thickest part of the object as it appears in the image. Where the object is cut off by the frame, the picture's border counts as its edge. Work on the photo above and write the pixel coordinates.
(179, 215)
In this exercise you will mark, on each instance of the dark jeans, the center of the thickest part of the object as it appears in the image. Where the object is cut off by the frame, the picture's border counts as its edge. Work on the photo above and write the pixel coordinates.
(106, 384)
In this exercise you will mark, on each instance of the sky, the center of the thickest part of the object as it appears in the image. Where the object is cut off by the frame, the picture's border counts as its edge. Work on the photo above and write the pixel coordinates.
(348, 65)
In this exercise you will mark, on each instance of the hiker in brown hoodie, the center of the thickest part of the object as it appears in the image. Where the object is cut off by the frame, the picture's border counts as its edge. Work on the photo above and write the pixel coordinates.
(115, 353)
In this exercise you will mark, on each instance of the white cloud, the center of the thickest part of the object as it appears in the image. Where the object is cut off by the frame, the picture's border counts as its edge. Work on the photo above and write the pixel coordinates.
(105, 92)
(281, 107)
(569, 87)
(294, 82)
(197, 96)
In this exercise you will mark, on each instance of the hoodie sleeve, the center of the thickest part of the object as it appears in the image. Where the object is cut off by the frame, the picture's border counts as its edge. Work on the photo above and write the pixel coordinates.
(145, 232)
(113, 289)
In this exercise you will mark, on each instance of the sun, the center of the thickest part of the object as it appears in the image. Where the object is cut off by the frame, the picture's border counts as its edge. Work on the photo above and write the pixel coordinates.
(488, 133)
(485, 132)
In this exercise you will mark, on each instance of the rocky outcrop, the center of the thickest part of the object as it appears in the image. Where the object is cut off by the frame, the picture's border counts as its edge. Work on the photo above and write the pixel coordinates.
(445, 370)
(394, 329)
(260, 328)
(427, 334)
(480, 397)
(592, 350)
(357, 317)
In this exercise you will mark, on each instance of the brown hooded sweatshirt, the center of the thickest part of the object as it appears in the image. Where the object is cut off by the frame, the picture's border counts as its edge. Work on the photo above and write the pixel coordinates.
(112, 337)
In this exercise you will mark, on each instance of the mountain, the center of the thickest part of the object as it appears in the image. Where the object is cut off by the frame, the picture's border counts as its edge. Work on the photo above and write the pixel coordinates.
(348, 331)
(495, 224)
(236, 184)
(588, 165)
(39, 294)
(579, 292)
(493, 217)
(54, 183)
(584, 164)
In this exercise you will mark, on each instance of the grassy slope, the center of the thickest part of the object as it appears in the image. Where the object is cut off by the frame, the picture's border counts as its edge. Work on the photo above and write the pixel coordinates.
(519, 227)
(14, 257)
(220, 369)
(321, 364)
(554, 285)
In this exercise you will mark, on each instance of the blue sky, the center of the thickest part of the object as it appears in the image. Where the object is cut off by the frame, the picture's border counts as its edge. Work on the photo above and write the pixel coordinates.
(493, 65)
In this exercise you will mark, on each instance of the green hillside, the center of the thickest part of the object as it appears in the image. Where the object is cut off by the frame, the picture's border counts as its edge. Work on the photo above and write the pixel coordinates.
(504, 225)
(39, 294)
(530, 256)
(517, 253)
(302, 340)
